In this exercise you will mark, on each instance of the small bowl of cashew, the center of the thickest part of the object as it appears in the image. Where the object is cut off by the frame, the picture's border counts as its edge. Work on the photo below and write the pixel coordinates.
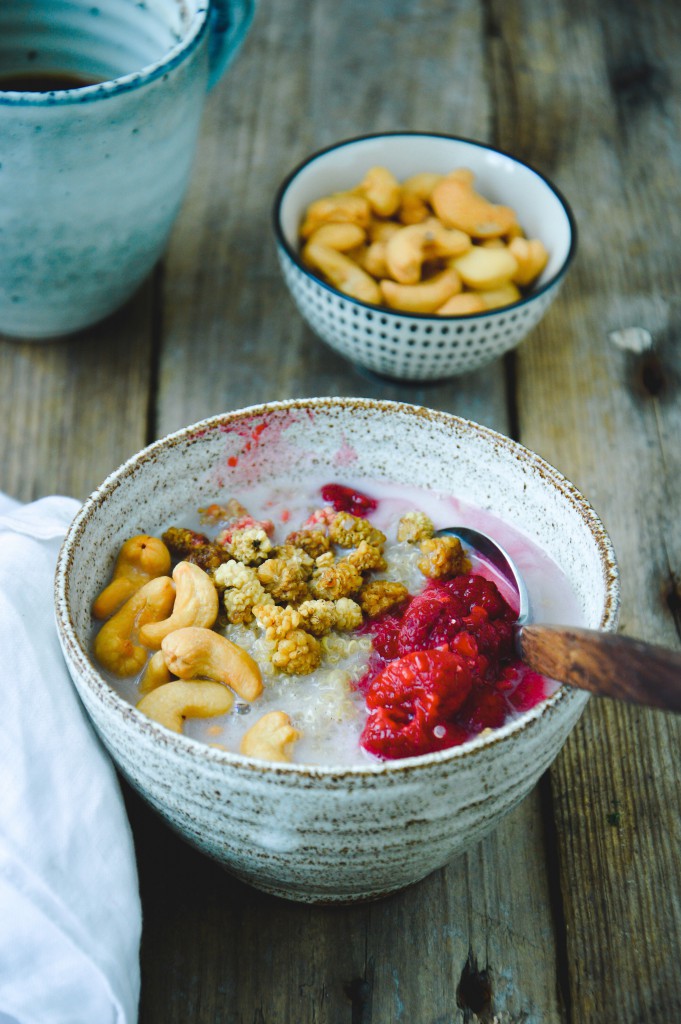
(421, 256)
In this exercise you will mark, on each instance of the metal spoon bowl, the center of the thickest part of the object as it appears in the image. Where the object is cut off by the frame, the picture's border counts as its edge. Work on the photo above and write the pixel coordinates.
(606, 664)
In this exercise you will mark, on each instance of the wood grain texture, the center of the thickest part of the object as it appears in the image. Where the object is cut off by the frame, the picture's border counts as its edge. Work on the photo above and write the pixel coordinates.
(609, 420)
(75, 408)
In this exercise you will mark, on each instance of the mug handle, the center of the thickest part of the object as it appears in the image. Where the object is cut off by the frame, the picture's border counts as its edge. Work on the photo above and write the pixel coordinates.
(230, 20)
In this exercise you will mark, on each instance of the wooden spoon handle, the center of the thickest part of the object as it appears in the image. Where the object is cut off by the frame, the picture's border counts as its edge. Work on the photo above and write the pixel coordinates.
(604, 663)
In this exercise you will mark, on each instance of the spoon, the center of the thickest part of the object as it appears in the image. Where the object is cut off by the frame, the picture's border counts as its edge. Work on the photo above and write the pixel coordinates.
(607, 664)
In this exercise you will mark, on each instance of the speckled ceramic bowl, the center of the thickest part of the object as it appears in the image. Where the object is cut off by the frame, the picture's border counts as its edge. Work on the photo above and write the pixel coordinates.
(414, 346)
(330, 833)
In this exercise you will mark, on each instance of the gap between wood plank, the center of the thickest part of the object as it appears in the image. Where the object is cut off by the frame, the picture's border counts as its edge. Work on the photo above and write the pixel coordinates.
(156, 346)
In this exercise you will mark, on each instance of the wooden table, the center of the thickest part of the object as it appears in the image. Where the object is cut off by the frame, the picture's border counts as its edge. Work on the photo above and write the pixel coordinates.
(571, 911)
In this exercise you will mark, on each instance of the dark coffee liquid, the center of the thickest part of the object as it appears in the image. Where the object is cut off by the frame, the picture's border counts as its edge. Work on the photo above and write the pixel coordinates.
(43, 81)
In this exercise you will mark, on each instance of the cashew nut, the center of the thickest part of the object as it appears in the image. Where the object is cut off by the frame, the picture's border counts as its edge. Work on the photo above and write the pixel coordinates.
(462, 304)
(458, 205)
(485, 268)
(343, 207)
(341, 237)
(342, 272)
(373, 259)
(194, 651)
(114, 646)
(406, 250)
(381, 230)
(422, 184)
(463, 174)
(140, 559)
(413, 209)
(171, 703)
(270, 738)
(196, 604)
(505, 295)
(531, 257)
(422, 298)
(382, 189)
(155, 674)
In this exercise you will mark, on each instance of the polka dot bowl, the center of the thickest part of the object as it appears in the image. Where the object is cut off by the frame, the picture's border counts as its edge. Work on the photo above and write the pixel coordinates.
(411, 346)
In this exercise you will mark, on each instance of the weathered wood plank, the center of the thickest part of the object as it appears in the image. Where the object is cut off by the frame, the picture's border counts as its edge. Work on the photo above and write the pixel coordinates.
(73, 409)
(611, 421)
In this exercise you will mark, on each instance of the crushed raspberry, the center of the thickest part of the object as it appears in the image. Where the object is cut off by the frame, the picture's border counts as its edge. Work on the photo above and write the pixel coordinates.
(384, 630)
(530, 690)
(412, 702)
(485, 709)
(443, 669)
(346, 499)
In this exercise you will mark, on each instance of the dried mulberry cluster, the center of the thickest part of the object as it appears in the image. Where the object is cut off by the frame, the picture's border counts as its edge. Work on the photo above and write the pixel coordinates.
(317, 582)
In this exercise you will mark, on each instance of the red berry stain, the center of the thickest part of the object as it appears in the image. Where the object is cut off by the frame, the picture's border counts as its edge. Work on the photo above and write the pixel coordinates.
(443, 668)
(347, 499)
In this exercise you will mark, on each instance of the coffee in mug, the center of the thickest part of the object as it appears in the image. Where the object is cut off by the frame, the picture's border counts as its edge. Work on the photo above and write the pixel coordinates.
(100, 108)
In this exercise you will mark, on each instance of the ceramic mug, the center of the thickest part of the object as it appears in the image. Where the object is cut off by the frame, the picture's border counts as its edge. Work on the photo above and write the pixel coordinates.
(100, 107)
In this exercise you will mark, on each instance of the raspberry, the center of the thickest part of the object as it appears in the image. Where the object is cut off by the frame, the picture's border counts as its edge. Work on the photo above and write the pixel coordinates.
(412, 703)
(346, 499)
(485, 709)
(531, 689)
(443, 669)
(389, 733)
(384, 632)
(433, 617)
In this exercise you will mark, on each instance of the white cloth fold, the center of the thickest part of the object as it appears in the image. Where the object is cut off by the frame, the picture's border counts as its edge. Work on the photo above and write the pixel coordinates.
(70, 917)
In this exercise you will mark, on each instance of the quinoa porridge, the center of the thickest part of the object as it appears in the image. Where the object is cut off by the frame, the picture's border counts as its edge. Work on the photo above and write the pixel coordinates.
(348, 633)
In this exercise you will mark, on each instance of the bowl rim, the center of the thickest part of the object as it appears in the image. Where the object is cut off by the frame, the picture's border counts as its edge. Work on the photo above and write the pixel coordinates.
(384, 310)
(104, 693)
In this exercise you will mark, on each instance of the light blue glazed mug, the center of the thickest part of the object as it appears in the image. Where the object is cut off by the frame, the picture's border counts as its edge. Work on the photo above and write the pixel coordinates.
(92, 176)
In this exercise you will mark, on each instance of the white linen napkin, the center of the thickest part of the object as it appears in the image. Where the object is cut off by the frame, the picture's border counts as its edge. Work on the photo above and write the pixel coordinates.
(70, 918)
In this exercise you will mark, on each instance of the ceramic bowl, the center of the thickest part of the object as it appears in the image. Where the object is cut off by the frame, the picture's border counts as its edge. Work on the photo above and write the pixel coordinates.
(328, 833)
(407, 346)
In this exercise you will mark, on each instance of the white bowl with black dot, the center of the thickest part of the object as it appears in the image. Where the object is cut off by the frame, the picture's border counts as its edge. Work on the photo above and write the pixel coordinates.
(410, 346)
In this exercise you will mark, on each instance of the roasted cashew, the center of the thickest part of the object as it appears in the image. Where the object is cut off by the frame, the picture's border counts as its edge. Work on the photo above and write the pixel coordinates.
(373, 259)
(171, 703)
(270, 738)
(381, 230)
(458, 205)
(342, 237)
(196, 604)
(343, 207)
(531, 256)
(155, 674)
(413, 209)
(382, 189)
(482, 268)
(194, 651)
(406, 250)
(422, 298)
(422, 184)
(462, 304)
(114, 646)
(342, 272)
(463, 174)
(141, 558)
(505, 295)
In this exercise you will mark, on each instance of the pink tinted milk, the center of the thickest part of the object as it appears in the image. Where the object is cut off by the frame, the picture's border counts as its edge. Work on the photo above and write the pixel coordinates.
(326, 706)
